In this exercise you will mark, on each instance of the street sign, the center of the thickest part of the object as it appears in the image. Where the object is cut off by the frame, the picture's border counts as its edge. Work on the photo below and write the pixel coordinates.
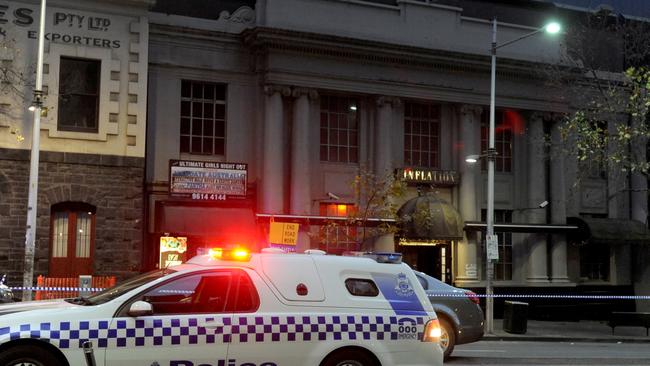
(283, 233)
(492, 242)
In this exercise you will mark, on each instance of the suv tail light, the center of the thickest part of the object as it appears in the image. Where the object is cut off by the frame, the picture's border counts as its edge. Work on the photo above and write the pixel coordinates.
(472, 296)
(432, 331)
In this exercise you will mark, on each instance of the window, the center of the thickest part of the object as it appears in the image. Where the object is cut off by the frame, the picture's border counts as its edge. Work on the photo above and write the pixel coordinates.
(423, 282)
(361, 287)
(78, 95)
(422, 135)
(339, 129)
(199, 293)
(594, 262)
(208, 292)
(503, 267)
(203, 118)
(72, 239)
(336, 239)
(505, 123)
(596, 166)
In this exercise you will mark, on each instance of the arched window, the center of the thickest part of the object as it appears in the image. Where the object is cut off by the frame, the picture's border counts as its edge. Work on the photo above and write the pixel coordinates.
(72, 238)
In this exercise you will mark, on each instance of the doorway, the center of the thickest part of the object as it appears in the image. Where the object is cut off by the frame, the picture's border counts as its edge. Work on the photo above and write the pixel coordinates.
(434, 260)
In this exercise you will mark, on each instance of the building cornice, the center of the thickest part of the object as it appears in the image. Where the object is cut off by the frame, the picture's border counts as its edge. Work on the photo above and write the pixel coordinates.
(262, 39)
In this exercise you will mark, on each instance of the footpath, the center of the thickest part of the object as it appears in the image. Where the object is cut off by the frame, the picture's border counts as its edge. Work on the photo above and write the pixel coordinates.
(563, 331)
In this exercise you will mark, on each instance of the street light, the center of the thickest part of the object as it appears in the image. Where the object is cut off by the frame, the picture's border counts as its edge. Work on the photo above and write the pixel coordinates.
(32, 203)
(490, 154)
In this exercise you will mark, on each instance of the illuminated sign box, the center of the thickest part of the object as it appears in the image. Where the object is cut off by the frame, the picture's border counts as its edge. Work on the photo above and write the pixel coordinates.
(207, 180)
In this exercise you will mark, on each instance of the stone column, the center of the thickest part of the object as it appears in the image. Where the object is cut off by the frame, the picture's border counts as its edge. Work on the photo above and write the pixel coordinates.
(638, 182)
(536, 174)
(470, 184)
(273, 162)
(300, 156)
(639, 206)
(559, 258)
(300, 160)
(384, 135)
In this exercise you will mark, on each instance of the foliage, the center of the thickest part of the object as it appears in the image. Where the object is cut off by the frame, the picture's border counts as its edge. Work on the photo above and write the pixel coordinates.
(607, 91)
(15, 82)
(375, 197)
(622, 146)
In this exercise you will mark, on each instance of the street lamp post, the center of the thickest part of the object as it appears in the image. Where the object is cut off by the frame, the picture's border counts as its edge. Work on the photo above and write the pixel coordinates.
(32, 199)
(490, 154)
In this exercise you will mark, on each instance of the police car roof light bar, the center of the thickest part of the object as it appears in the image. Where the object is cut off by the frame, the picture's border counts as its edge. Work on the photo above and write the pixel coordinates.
(236, 254)
(379, 257)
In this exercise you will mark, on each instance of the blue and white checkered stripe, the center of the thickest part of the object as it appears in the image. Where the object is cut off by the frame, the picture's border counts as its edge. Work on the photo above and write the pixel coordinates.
(169, 331)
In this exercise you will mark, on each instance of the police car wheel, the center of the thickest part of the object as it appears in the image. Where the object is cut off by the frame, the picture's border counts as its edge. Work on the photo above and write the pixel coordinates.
(447, 338)
(28, 356)
(349, 358)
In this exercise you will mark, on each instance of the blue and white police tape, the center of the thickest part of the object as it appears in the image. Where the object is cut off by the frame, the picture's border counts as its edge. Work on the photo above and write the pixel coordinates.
(90, 289)
(429, 293)
(59, 289)
(544, 296)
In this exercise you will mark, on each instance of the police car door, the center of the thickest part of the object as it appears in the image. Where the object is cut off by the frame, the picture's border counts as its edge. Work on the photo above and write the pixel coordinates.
(186, 328)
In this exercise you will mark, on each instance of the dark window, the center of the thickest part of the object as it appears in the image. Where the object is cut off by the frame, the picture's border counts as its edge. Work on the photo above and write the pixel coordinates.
(361, 287)
(594, 262)
(78, 95)
(503, 267)
(72, 238)
(594, 258)
(247, 299)
(199, 293)
(203, 118)
(506, 122)
(339, 129)
(423, 282)
(207, 9)
(422, 135)
(596, 166)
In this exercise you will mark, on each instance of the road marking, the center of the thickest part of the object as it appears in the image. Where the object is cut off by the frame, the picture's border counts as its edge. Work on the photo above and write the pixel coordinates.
(482, 350)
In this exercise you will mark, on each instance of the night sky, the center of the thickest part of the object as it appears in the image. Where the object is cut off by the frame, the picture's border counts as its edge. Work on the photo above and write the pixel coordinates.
(639, 8)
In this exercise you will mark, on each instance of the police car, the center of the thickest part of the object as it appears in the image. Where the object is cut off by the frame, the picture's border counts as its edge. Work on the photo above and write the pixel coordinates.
(233, 308)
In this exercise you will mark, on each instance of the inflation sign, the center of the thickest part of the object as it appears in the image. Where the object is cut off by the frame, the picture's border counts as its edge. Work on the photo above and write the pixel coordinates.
(207, 180)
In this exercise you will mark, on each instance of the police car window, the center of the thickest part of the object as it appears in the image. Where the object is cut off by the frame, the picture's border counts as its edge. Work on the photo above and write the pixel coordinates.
(361, 287)
(423, 282)
(199, 293)
(247, 299)
(126, 286)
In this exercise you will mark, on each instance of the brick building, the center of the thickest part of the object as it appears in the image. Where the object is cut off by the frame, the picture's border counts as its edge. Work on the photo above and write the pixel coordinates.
(89, 218)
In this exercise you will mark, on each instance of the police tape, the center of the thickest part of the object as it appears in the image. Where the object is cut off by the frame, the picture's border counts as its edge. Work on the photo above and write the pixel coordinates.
(60, 289)
(429, 294)
(90, 289)
(544, 296)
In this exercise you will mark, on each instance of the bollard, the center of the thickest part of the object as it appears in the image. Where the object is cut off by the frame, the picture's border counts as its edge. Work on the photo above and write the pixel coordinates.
(88, 352)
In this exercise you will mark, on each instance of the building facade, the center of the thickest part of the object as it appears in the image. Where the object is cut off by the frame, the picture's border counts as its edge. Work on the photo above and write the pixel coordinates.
(92, 166)
(398, 87)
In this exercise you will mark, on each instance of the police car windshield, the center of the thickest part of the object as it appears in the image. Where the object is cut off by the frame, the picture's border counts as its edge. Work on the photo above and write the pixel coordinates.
(126, 286)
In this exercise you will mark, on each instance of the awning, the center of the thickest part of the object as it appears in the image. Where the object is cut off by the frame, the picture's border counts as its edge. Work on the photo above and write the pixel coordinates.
(223, 224)
(609, 231)
(430, 218)
(325, 220)
(521, 227)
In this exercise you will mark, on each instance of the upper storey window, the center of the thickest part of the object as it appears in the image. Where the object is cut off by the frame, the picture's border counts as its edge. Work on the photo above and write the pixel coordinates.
(203, 118)
(339, 129)
(422, 135)
(506, 123)
(78, 95)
